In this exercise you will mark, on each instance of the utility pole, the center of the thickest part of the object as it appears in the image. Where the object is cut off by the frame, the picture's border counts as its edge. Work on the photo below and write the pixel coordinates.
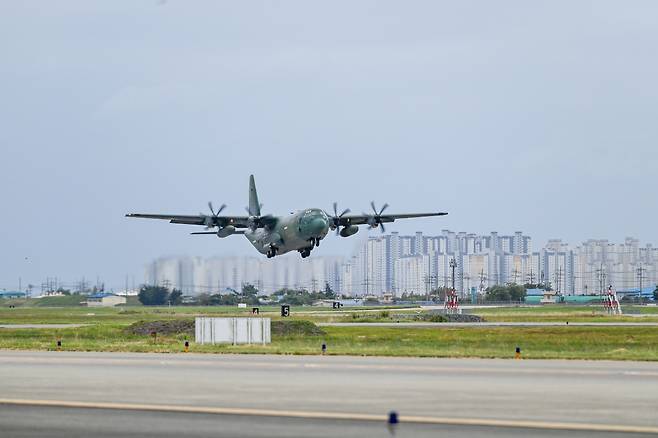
(82, 285)
(557, 286)
(558, 279)
(640, 277)
(366, 283)
(531, 277)
(483, 278)
(428, 286)
(601, 276)
(453, 265)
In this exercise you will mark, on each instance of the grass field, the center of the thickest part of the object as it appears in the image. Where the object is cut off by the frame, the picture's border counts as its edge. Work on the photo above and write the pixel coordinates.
(618, 343)
(106, 331)
(565, 309)
(561, 313)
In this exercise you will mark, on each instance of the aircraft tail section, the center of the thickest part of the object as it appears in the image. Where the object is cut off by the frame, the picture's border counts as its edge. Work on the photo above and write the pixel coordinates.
(254, 205)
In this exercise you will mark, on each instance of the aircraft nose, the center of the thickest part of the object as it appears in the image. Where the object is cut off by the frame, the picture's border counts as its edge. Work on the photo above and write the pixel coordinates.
(317, 226)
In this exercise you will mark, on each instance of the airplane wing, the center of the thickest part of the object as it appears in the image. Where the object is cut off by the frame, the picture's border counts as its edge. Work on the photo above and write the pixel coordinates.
(199, 219)
(360, 219)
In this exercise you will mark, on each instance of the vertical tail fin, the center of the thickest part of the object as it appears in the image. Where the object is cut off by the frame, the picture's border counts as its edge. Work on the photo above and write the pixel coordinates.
(254, 206)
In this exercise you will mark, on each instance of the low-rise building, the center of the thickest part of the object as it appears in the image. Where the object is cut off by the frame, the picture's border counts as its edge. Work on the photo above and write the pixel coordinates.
(52, 293)
(11, 294)
(105, 300)
(550, 297)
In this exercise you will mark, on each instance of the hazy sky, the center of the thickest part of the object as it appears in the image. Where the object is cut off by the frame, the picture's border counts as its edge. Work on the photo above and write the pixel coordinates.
(511, 115)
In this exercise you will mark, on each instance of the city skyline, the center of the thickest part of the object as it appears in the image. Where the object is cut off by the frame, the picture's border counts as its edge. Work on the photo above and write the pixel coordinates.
(418, 264)
(423, 260)
(394, 263)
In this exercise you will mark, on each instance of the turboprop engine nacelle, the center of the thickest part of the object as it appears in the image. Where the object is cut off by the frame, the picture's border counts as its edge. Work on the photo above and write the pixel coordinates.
(349, 230)
(226, 231)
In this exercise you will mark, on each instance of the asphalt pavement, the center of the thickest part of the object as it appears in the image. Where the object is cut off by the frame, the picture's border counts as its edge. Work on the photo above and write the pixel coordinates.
(110, 394)
(99, 423)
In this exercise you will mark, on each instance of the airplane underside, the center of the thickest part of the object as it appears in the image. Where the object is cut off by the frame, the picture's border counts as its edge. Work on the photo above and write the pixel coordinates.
(305, 250)
(265, 244)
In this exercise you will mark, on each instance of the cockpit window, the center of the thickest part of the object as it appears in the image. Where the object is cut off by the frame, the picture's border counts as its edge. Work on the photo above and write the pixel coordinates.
(315, 212)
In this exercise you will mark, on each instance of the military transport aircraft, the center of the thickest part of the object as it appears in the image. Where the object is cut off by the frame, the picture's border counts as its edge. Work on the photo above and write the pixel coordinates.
(274, 235)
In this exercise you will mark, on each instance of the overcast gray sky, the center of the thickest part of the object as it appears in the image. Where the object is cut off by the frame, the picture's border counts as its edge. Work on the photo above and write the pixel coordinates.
(511, 115)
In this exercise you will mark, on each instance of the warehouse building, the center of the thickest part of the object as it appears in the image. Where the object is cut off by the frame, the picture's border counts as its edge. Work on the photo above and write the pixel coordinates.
(105, 300)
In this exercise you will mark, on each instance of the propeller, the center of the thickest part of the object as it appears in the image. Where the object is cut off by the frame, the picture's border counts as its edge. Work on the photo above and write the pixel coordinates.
(335, 219)
(219, 210)
(258, 221)
(376, 220)
(211, 221)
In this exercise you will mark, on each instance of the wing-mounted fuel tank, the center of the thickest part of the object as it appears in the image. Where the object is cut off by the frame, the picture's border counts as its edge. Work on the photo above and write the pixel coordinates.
(349, 230)
(226, 231)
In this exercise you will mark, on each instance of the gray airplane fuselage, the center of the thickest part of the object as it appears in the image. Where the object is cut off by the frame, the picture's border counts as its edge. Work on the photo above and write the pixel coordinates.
(291, 233)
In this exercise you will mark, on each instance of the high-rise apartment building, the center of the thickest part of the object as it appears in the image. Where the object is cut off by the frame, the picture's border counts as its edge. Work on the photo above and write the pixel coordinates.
(194, 275)
(377, 265)
(393, 263)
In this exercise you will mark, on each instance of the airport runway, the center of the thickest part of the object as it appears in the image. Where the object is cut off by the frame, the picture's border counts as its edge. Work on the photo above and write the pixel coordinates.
(80, 394)
(83, 423)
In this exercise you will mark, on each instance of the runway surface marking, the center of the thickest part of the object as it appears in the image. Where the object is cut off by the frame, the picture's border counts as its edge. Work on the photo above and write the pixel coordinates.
(187, 361)
(545, 425)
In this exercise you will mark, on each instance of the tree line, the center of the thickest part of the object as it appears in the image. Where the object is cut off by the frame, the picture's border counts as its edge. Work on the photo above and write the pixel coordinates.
(159, 296)
(249, 294)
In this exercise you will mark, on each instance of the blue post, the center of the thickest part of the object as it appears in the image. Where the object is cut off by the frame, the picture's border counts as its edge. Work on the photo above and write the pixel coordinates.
(393, 422)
